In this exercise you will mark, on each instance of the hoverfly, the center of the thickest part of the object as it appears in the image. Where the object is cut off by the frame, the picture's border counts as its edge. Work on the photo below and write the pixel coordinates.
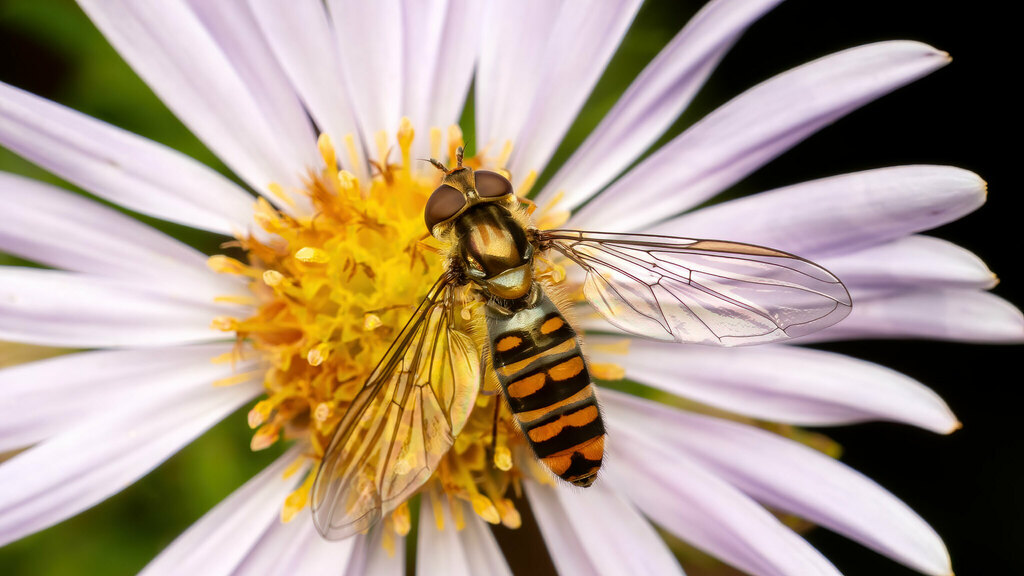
(417, 399)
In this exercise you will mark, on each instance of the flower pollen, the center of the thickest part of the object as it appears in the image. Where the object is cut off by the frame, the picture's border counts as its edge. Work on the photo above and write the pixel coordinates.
(332, 291)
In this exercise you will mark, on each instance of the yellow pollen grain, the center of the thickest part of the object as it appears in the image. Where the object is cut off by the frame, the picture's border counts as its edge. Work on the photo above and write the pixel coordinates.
(224, 324)
(607, 371)
(272, 278)
(278, 191)
(311, 255)
(353, 153)
(381, 139)
(510, 517)
(297, 500)
(322, 412)
(402, 519)
(527, 184)
(326, 147)
(226, 265)
(316, 356)
(234, 379)
(405, 136)
(371, 321)
(484, 508)
(265, 437)
(435, 142)
(503, 458)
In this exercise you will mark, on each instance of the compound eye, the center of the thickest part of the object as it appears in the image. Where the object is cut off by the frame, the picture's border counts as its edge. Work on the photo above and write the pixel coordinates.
(491, 184)
(444, 203)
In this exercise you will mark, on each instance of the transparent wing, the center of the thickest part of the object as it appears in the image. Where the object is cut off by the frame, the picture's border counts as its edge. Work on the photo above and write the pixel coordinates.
(400, 424)
(703, 291)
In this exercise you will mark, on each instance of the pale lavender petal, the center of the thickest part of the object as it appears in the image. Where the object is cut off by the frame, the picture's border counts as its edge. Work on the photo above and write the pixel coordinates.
(370, 558)
(694, 504)
(949, 314)
(441, 44)
(119, 166)
(43, 398)
(614, 537)
(167, 45)
(571, 556)
(789, 477)
(233, 27)
(472, 550)
(301, 38)
(101, 456)
(219, 541)
(913, 261)
(51, 226)
(56, 308)
(369, 40)
(583, 39)
(654, 100)
(455, 65)
(783, 383)
(518, 32)
(294, 548)
(839, 214)
(752, 129)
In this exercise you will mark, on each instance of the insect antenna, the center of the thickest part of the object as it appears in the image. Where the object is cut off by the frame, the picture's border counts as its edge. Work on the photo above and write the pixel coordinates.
(437, 164)
(458, 156)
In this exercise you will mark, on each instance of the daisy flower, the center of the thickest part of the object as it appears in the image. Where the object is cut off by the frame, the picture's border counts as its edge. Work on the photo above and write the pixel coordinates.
(321, 110)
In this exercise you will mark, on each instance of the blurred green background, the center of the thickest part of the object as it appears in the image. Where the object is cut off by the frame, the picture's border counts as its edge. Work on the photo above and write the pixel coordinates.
(967, 485)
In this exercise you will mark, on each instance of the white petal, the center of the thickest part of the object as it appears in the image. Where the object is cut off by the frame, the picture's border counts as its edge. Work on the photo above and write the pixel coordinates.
(654, 100)
(615, 537)
(369, 39)
(296, 548)
(220, 540)
(56, 308)
(100, 456)
(784, 384)
(790, 477)
(455, 65)
(839, 214)
(472, 550)
(371, 559)
(568, 552)
(167, 45)
(511, 53)
(40, 399)
(913, 261)
(583, 39)
(54, 227)
(301, 38)
(949, 314)
(692, 503)
(119, 166)
(233, 26)
(441, 43)
(752, 129)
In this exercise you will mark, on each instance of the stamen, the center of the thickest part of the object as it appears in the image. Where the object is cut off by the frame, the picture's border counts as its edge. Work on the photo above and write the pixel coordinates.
(607, 371)
(312, 255)
(353, 153)
(506, 153)
(405, 137)
(435, 142)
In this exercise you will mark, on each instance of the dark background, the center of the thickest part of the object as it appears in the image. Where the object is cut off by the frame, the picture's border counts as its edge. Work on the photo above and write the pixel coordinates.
(966, 485)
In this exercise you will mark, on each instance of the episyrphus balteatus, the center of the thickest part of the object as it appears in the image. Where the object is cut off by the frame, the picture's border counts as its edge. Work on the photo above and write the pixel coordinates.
(417, 399)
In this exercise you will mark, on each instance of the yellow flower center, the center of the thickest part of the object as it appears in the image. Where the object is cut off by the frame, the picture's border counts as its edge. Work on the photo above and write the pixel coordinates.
(332, 290)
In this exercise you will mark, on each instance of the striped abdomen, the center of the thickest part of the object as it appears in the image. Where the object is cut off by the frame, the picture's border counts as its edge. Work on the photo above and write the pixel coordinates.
(537, 359)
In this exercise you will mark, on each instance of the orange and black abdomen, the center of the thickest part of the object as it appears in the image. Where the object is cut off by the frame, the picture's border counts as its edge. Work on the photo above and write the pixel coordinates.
(540, 366)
